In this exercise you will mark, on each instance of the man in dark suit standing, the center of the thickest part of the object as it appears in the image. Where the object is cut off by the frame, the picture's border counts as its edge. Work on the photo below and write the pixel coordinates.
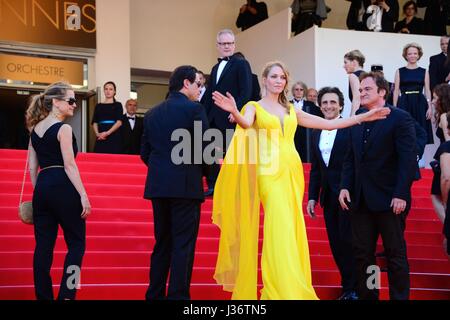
(132, 128)
(327, 155)
(230, 74)
(437, 68)
(378, 172)
(174, 182)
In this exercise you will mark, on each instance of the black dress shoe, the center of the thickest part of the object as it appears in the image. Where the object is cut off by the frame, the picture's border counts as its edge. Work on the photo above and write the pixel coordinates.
(209, 192)
(348, 295)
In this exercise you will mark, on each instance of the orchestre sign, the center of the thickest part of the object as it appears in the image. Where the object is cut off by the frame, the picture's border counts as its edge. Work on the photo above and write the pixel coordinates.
(49, 22)
(40, 70)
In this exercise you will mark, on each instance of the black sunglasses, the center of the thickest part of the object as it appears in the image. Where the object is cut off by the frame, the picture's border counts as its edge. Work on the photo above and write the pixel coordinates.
(71, 101)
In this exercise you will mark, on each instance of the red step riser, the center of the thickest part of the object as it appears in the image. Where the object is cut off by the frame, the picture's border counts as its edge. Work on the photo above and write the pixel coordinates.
(202, 259)
(17, 277)
(146, 244)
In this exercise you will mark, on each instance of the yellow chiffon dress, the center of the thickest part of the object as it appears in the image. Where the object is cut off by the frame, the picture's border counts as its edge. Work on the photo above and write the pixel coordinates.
(262, 166)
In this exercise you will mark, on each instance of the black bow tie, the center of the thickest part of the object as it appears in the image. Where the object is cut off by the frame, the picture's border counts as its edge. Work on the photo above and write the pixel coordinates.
(297, 101)
(223, 59)
(131, 118)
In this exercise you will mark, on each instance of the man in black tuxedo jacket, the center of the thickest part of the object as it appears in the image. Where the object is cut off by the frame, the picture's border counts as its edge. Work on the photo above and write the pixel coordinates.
(231, 74)
(388, 19)
(174, 183)
(378, 172)
(437, 68)
(327, 155)
(131, 129)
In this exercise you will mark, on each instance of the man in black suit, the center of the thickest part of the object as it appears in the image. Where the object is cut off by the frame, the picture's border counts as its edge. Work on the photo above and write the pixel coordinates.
(174, 182)
(233, 75)
(378, 172)
(132, 128)
(437, 65)
(327, 155)
(436, 16)
(357, 15)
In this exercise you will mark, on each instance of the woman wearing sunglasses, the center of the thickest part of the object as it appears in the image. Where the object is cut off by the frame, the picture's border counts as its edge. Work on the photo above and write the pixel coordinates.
(107, 121)
(59, 197)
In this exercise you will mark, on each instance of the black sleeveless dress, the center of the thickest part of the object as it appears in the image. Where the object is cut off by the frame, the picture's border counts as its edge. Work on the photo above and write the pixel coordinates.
(445, 148)
(106, 115)
(412, 98)
(56, 202)
(350, 94)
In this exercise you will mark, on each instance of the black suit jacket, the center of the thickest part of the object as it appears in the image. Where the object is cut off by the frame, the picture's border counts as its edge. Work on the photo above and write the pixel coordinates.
(236, 79)
(436, 17)
(437, 70)
(165, 178)
(322, 179)
(132, 137)
(385, 166)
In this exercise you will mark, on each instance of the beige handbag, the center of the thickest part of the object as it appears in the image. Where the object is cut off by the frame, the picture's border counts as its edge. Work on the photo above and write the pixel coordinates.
(26, 207)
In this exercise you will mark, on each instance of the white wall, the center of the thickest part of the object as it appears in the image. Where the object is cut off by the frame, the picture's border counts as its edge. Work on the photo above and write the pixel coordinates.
(113, 59)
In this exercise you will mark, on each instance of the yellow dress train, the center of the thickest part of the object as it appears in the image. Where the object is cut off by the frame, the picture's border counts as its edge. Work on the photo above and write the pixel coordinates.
(263, 166)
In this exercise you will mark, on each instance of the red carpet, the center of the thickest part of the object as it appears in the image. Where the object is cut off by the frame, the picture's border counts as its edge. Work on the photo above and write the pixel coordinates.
(120, 238)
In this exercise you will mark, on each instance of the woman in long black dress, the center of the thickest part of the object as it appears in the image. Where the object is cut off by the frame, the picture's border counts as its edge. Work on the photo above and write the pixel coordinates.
(59, 197)
(107, 121)
(441, 102)
(443, 154)
(411, 24)
(411, 81)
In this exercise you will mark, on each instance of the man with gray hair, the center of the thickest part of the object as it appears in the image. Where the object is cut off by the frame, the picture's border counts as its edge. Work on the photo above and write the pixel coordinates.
(230, 74)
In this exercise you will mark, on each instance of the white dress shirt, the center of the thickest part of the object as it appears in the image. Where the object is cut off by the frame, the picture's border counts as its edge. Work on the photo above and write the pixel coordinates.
(326, 143)
(298, 105)
(222, 65)
(131, 121)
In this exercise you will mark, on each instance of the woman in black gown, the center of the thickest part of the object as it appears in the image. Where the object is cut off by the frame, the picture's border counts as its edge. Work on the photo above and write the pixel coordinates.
(441, 102)
(353, 65)
(107, 121)
(59, 197)
(412, 82)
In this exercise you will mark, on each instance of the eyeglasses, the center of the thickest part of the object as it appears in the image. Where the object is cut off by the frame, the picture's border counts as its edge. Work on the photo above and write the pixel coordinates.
(71, 101)
(198, 83)
(224, 44)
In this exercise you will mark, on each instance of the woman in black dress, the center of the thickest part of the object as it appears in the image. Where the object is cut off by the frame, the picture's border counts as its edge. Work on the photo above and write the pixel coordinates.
(441, 102)
(412, 81)
(107, 121)
(443, 155)
(59, 197)
(411, 24)
(353, 65)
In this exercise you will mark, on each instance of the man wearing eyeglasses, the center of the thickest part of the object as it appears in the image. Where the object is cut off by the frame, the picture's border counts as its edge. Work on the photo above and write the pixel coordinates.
(230, 74)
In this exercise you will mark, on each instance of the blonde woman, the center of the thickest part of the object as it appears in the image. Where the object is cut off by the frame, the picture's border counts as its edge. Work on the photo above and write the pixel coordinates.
(262, 166)
(59, 197)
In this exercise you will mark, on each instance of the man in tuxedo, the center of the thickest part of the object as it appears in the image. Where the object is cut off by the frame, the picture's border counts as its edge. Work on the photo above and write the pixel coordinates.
(231, 74)
(437, 65)
(378, 172)
(327, 156)
(131, 129)
(357, 16)
(174, 183)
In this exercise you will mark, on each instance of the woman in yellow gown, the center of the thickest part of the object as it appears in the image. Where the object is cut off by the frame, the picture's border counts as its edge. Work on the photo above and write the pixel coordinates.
(263, 166)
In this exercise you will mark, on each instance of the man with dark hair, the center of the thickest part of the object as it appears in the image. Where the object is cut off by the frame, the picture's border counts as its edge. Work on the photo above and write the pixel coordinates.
(174, 183)
(437, 68)
(327, 155)
(231, 74)
(378, 172)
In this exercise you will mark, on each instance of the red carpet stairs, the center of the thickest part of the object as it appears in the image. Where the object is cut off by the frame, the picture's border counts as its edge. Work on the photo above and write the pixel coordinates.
(120, 238)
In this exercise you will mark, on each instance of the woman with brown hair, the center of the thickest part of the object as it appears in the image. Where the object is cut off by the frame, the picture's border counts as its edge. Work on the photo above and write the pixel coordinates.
(59, 197)
(263, 166)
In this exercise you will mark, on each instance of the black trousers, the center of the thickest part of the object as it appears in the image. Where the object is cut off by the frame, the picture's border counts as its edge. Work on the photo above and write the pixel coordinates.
(215, 167)
(366, 227)
(339, 232)
(57, 203)
(176, 223)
